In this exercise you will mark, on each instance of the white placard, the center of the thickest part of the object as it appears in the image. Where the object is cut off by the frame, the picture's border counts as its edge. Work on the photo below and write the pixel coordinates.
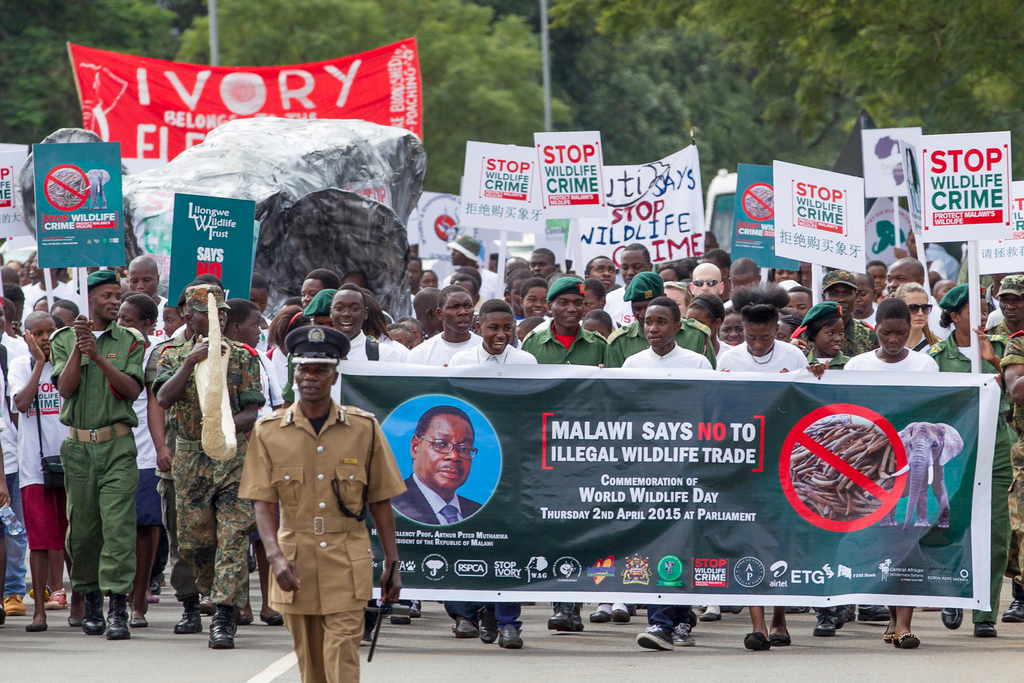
(1006, 256)
(880, 231)
(10, 224)
(819, 216)
(659, 205)
(571, 169)
(432, 225)
(502, 188)
(883, 166)
(965, 187)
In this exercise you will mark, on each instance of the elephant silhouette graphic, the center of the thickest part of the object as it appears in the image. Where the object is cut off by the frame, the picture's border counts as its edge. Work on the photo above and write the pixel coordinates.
(929, 447)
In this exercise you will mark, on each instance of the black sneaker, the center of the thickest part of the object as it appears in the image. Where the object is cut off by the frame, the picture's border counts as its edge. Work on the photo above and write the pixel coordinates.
(566, 618)
(1014, 614)
(509, 638)
(681, 636)
(655, 638)
(826, 626)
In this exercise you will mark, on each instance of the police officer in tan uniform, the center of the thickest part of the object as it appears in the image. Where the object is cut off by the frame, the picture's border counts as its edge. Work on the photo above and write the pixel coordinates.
(326, 466)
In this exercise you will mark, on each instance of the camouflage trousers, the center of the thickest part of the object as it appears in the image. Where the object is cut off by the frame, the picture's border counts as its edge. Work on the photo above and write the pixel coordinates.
(214, 524)
(1016, 554)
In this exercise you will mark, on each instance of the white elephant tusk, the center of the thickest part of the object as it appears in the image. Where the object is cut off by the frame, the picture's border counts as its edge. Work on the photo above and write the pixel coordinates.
(931, 474)
(904, 470)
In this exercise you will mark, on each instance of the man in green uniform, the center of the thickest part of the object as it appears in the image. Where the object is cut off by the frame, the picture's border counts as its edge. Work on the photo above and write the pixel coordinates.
(840, 286)
(1013, 380)
(326, 466)
(213, 523)
(949, 358)
(564, 342)
(1011, 304)
(97, 366)
(628, 340)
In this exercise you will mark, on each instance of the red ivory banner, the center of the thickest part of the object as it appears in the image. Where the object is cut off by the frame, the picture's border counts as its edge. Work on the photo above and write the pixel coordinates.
(156, 109)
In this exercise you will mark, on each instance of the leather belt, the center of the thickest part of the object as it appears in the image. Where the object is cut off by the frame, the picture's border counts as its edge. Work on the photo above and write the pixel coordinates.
(102, 434)
(320, 525)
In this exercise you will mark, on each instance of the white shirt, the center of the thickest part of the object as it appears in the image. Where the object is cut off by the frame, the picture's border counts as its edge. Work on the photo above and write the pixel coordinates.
(146, 459)
(509, 356)
(935, 320)
(678, 357)
(16, 346)
(9, 435)
(488, 285)
(783, 356)
(279, 359)
(33, 293)
(29, 463)
(621, 311)
(436, 351)
(157, 335)
(870, 320)
(914, 362)
(392, 353)
(271, 385)
(436, 502)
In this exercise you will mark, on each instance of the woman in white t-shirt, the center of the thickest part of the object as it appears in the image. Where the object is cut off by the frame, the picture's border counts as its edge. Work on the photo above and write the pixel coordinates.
(760, 351)
(37, 399)
(893, 330)
(139, 312)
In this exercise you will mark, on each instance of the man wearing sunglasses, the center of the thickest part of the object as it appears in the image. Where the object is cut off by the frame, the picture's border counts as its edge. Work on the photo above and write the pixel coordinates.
(707, 279)
(442, 456)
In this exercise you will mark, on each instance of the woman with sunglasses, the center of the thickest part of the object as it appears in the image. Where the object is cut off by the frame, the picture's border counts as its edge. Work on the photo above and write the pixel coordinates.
(948, 354)
(916, 298)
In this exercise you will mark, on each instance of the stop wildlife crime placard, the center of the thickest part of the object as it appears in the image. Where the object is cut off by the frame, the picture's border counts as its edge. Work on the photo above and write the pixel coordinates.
(501, 192)
(819, 216)
(966, 187)
(572, 174)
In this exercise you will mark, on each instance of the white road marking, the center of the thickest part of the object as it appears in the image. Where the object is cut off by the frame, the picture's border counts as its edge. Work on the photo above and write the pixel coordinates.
(279, 667)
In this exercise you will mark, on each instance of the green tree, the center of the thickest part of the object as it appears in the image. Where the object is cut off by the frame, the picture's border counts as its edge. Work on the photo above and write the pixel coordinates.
(37, 91)
(481, 76)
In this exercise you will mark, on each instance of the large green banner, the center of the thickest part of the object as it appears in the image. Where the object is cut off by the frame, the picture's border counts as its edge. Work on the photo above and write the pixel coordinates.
(569, 483)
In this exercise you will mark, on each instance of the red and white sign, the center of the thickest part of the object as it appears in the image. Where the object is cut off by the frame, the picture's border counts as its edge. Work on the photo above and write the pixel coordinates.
(571, 167)
(10, 224)
(819, 216)
(1006, 256)
(157, 109)
(501, 188)
(965, 187)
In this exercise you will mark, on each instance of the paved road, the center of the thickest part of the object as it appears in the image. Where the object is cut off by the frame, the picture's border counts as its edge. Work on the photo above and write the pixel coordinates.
(423, 653)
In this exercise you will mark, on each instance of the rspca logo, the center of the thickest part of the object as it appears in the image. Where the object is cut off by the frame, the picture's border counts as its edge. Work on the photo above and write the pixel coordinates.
(471, 568)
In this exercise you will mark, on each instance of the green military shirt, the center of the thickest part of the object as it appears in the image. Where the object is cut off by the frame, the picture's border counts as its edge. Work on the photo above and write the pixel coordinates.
(95, 405)
(860, 338)
(1001, 329)
(1013, 354)
(586, 349)
(837, 363)
(629, 340)
(244, 387)
(950, 359)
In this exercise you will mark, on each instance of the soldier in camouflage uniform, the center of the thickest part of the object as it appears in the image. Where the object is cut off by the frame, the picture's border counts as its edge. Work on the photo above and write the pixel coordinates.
(1011, 291)
(840, 286)
(1013, 381)
(213, 524)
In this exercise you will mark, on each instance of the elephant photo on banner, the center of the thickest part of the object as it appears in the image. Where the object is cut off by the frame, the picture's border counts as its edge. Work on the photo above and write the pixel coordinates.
(929, 448)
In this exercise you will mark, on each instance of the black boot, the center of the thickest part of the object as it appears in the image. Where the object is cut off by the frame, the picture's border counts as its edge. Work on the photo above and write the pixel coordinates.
(92, 621)
(117, 618)
(222, 628)
(1015, 613)
(191, 620)
(826, 626)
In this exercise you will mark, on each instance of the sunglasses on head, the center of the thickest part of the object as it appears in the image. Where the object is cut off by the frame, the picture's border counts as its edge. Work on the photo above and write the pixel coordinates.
(920, 308)
(701, 283)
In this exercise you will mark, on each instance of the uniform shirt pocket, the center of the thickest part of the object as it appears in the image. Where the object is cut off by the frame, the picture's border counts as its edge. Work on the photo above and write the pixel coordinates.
(361, 557)
(351, 484)
(288, 482)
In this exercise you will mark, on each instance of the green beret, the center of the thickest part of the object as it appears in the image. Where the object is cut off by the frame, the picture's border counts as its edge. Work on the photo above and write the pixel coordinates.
(566, 285)
(103, 277)
(826, 309)
(321, 304)
(955, 298)
(838, 277)
(196, 297)
(644, 287)
(1012, 284)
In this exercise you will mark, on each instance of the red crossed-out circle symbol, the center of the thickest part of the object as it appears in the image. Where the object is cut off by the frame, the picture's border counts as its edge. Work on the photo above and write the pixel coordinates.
(66, 187)
(798, 436)
(759, 201)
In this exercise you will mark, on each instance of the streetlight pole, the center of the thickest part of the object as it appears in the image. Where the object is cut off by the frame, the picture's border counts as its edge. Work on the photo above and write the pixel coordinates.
(214, 38)
(545, 53)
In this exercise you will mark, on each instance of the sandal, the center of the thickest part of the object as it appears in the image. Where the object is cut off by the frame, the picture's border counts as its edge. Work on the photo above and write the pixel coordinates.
(35, 627)
(756, 641)
(908, 641)
(779, 639)
(888, 638)
(138, 622)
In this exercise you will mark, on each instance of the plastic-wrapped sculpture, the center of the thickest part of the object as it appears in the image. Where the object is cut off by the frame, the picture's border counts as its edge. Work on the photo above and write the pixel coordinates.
(329, 194)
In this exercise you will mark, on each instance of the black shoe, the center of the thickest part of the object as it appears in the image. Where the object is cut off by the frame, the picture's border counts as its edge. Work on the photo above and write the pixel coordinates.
(464, 628)
(985, 629)
(600, 617)
(367, 636)
(117, 618)
(488, 626)
(873, 613)
(826, 626)
(414, 610)
(620, 616)
(566, 618)
(93, 623)
(1014, 614)
(952, 618)
(509, 638)
(3, 615)
(841, 616)
(222, 628)
(191, 620)
(154, 585)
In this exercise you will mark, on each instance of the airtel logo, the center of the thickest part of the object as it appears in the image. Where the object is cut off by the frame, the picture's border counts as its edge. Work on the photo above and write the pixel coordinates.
(475, 568)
